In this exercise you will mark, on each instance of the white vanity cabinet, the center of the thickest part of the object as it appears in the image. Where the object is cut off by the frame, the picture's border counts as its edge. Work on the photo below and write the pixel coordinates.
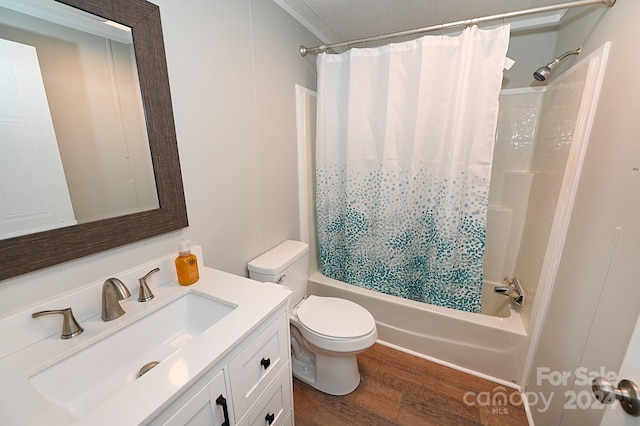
(222, 342)
(252, 385)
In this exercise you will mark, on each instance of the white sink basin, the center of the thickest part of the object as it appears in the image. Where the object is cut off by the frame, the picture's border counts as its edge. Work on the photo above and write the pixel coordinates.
(84, 380)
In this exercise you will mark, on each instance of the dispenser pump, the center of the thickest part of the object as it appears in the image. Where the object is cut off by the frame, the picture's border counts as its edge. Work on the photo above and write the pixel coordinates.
(186, 264)
(183, 248)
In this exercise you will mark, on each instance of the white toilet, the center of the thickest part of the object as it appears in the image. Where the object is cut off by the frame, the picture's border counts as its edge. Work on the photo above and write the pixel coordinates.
(326, 332)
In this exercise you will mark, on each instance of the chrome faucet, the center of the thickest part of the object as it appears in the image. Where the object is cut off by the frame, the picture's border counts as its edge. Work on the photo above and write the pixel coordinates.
(512, 289)
(70, 327)
(113, 290)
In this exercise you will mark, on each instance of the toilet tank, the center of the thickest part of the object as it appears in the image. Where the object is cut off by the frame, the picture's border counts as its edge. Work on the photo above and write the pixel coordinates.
(286, 264)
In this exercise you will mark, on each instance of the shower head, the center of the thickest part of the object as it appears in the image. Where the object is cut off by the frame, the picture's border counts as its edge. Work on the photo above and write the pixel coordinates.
(543, 73)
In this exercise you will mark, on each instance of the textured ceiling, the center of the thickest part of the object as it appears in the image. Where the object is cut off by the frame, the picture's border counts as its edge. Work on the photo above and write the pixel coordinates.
(341, 20)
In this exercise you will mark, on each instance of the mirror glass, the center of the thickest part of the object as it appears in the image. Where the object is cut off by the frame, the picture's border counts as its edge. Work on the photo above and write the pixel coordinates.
(75, 146)
(98, 167)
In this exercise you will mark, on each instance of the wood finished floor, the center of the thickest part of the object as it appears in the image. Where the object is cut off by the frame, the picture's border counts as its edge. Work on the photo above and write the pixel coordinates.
(401, 389)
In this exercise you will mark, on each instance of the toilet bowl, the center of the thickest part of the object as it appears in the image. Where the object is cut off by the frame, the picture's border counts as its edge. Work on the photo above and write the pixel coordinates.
(326, 332)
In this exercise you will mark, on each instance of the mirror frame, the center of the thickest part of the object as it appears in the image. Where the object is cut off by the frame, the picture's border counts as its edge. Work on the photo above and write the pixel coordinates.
(20, 255)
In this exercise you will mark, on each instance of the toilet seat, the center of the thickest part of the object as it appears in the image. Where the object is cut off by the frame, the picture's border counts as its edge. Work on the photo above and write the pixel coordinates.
(335, 319)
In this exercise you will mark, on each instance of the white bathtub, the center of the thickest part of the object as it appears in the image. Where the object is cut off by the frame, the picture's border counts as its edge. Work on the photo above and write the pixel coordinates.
(490, 346)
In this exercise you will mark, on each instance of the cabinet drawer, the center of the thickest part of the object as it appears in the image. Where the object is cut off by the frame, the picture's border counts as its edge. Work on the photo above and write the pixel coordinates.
(274, 407)
(258, 364)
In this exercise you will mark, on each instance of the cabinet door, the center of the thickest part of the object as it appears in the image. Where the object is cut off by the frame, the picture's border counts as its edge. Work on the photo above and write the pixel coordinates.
(206, 408)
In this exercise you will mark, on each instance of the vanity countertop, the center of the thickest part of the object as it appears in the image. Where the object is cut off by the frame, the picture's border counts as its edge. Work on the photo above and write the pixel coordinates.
(141, 399)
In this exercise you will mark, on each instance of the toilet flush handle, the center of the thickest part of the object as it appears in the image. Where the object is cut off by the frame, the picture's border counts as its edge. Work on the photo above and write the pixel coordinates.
(281, 279)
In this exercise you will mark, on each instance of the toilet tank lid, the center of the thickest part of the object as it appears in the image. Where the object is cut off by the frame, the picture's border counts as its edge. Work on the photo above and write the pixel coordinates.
(278, 258)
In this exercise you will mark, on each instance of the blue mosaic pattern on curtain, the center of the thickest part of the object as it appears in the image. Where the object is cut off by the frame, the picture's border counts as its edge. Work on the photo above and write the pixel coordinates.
(412, 235)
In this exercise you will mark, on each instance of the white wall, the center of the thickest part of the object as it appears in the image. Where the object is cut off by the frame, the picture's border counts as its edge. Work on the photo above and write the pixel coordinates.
(232, 70)
(596, 298)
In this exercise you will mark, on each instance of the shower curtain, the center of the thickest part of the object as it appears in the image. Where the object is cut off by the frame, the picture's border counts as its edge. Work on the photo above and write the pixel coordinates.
(405, 137)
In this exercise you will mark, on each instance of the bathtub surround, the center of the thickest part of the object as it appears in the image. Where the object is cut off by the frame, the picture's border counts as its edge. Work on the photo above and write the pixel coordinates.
(535, 137)
(404, 147)
(511, 179)
(561, 140)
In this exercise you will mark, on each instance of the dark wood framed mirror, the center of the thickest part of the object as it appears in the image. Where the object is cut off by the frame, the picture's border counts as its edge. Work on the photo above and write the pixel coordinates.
(20, 255)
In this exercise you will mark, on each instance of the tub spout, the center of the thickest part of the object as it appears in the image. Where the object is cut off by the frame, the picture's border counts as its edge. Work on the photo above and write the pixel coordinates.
(513, 289)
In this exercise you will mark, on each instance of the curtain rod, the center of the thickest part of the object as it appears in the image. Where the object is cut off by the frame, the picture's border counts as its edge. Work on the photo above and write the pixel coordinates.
(464, 23)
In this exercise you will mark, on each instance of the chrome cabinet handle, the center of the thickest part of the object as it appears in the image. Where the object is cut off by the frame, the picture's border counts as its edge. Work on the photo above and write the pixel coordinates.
(627, 393)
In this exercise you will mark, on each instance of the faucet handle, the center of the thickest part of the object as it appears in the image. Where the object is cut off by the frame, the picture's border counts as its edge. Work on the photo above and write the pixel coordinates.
(70, 327)
(145, 294)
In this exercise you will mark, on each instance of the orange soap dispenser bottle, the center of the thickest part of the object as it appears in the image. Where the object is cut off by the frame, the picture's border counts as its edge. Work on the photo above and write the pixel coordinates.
(186, 264)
